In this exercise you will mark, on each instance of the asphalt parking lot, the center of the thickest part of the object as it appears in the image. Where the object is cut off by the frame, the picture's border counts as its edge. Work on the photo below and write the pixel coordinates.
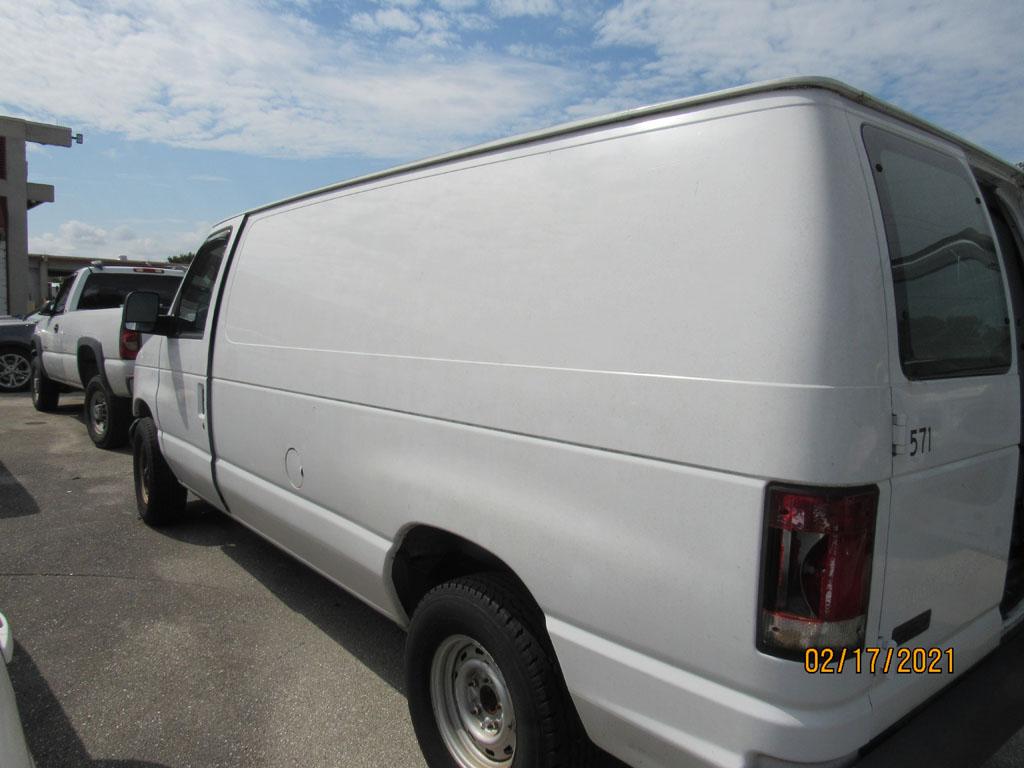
(201, 645)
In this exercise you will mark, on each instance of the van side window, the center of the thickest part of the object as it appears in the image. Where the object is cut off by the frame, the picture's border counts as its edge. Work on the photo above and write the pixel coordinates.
(197, 287)
(951, 310)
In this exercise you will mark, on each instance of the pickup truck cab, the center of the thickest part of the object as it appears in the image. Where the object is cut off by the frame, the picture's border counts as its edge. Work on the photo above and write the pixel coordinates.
(638, 425)
(79, 345)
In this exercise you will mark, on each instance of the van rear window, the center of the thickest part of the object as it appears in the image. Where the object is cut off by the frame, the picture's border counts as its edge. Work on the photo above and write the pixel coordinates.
(951, 310)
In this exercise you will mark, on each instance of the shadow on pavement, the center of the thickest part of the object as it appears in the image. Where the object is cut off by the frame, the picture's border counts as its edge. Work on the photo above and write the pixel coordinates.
(377, 642)
(970, 722)
(52, 739)
(15, 501)
(78, 411)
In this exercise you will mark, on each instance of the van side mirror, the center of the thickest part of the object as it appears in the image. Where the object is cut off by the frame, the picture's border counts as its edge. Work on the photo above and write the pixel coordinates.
(141, 311)
(46, 310)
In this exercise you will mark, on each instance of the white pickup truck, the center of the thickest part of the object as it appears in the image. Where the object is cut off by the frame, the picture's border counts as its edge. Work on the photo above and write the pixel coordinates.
(78, 344)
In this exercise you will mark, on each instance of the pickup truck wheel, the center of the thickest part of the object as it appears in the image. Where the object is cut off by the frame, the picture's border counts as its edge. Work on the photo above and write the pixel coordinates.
(159, 496)
(107, 417)
(15, 369)
(45, 393)
(484, 688)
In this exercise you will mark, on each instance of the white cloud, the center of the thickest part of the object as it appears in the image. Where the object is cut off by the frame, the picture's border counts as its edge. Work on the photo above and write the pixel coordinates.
(957, 63)
(260, 80)
(397, 80)
(385, 20)
(79, 238)
(507, 8)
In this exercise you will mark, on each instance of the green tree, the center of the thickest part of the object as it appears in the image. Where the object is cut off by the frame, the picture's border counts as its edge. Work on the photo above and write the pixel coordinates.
(182, 258)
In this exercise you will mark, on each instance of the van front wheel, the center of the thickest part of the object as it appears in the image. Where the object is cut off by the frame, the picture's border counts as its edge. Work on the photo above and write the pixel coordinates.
(159, 496)
(483, 685)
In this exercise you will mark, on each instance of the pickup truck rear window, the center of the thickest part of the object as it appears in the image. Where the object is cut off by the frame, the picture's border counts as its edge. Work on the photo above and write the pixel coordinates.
(105, 290)
(951, 310)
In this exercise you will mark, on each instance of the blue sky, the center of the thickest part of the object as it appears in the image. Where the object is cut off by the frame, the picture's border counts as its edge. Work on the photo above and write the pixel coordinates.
(193, 111)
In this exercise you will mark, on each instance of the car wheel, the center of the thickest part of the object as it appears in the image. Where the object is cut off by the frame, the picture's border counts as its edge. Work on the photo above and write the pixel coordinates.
(484, 687)
(15, 370)
(107, 417)
(45, 393)
(159, 496)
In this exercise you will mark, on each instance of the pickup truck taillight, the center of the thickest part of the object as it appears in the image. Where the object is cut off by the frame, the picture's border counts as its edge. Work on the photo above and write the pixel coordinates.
(128, 348)
(817, 568)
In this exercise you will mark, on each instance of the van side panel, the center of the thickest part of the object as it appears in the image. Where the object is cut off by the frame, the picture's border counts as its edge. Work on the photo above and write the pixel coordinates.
(651, 563)
(671, 290)
(587, 355)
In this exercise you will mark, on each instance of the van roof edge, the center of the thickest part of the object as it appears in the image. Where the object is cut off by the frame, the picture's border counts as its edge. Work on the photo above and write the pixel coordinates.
(782, 84)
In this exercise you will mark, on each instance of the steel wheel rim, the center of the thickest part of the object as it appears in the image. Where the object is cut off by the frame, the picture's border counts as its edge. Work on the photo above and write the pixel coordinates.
(145, 477)
(98, 413)
(15, 370)
(472, 704)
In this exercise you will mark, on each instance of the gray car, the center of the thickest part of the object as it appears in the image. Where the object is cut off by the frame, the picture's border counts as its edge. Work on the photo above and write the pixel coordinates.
(15, 353)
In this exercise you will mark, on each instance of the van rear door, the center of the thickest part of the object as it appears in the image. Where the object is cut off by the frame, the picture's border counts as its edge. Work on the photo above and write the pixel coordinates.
(955, 401)
(1008, 222)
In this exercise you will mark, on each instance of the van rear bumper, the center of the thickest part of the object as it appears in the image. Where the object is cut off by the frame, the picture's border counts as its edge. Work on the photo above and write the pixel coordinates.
(649, 713)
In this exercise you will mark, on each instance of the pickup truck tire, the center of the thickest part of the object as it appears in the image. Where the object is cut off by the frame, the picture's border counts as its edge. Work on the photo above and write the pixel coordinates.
(107, 417)
(159, 496)
(15, 369)
(483, 684)
(45, 393)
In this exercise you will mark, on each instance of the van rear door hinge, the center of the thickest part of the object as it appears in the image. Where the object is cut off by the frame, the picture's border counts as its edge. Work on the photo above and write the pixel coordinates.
(900, 434)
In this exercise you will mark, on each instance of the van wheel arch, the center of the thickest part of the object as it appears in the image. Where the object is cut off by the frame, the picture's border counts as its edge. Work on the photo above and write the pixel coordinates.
(429, 556)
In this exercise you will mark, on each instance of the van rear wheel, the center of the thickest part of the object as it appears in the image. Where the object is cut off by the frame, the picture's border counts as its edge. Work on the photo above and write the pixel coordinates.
(159, 497)
(484, 688)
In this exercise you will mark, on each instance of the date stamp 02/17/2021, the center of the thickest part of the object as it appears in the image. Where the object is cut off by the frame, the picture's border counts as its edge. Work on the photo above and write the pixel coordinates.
(904, 661)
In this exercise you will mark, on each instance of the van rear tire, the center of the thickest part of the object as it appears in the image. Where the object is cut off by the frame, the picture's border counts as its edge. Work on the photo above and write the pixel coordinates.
(45, 394)
(159, 497)
(477, 653)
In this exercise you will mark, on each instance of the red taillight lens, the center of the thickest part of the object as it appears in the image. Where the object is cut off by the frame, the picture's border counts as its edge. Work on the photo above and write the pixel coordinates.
(817, 568)
(129, 346)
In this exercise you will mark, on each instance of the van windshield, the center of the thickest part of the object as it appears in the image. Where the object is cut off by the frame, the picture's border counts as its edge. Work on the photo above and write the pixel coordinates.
(951, 310)
(105, 290)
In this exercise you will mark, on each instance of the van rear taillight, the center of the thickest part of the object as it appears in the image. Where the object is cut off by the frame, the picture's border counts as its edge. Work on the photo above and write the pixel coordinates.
(817, 568)
(128, 348)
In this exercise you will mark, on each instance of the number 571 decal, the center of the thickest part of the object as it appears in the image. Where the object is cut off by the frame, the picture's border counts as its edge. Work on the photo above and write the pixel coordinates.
(920, 440)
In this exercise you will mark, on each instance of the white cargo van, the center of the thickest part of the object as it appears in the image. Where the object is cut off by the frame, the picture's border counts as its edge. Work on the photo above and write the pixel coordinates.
(622, 418)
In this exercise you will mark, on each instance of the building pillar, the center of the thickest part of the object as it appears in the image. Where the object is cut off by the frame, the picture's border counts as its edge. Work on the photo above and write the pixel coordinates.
(17, 228)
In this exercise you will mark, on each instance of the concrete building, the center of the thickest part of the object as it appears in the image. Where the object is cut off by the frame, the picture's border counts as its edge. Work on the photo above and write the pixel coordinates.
(17, 197)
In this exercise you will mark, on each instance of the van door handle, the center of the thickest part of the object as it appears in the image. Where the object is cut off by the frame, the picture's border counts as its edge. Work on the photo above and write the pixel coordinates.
(56, 327)
(201, 403)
